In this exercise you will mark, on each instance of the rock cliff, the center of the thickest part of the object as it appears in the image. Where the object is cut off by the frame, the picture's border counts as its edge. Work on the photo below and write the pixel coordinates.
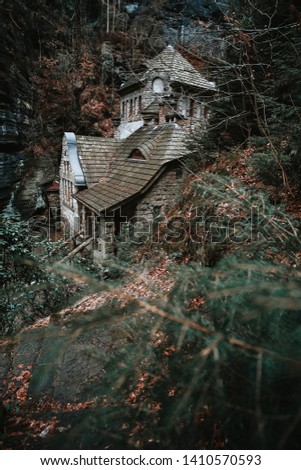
(17, 109)
(15, 98)
(68, 40)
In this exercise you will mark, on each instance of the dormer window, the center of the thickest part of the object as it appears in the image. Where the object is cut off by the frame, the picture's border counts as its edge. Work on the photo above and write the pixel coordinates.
(158, 85)
(136, 154)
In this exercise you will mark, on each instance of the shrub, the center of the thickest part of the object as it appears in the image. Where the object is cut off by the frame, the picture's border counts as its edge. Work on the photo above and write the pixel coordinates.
(29, 290)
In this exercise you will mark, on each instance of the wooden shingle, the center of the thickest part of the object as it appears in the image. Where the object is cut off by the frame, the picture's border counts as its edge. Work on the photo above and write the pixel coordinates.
(96, 155)
(128, 177)
(180, 71)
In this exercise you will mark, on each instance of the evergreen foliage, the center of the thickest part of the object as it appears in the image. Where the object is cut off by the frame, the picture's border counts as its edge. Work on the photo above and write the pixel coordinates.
(28, 289)
(215, 364)
(220, 368)
(213, 373)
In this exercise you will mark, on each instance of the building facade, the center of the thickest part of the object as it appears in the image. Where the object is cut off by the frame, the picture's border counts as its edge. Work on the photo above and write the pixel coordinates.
(134, 177)
(179, 90)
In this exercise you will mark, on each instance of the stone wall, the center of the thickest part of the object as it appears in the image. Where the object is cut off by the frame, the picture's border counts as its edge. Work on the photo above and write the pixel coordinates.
(69, 205)
(161, 196)
(188, 109)
(143, 97)
(151, 208)
(104, 241)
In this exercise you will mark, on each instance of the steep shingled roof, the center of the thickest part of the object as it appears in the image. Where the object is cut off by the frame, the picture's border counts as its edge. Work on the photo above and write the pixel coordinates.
(96, 155)
(128, 177)
(180, 70)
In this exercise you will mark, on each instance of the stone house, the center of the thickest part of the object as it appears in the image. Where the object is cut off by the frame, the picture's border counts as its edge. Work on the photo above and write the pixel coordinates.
(135, 176)
(171, 84)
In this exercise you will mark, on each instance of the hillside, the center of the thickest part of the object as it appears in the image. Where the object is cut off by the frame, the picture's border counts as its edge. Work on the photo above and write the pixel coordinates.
(62, 65)
(190, 338)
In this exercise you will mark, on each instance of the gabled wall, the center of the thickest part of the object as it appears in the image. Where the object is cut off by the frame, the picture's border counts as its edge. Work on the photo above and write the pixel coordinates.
(69, 205)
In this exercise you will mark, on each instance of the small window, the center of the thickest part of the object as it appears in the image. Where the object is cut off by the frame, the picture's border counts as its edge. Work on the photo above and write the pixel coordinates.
(158, 85)
(192, 108)
(136, 154)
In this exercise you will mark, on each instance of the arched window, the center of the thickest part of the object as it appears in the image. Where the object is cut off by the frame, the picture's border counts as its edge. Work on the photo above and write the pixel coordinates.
(158, 85)
(136, 154)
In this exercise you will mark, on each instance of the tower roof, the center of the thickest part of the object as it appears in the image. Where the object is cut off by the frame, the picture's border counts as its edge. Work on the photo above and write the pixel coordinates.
(180, 70)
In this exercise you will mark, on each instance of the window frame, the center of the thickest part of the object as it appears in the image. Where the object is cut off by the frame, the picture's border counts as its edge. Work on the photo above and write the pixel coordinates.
(136, 155)
(158, 80)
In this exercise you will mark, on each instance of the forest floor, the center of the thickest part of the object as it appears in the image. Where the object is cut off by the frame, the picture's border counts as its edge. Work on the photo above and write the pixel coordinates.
(48, 370)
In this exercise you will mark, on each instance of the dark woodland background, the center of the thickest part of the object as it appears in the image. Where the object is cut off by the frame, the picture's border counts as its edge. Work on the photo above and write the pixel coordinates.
(212, 361)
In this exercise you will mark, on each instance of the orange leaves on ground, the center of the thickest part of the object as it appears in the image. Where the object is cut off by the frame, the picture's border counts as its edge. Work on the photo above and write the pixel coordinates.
(169, 351)
(159, 339)
(80, 405)
(17, 385)
(50, 404)
(132, 397)
(41, 417)
(172, 392)
(196, 304)
(143, 386)
(36, 426)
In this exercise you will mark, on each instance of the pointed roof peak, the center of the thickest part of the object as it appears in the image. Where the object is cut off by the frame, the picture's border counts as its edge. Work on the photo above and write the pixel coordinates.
(180, 70)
